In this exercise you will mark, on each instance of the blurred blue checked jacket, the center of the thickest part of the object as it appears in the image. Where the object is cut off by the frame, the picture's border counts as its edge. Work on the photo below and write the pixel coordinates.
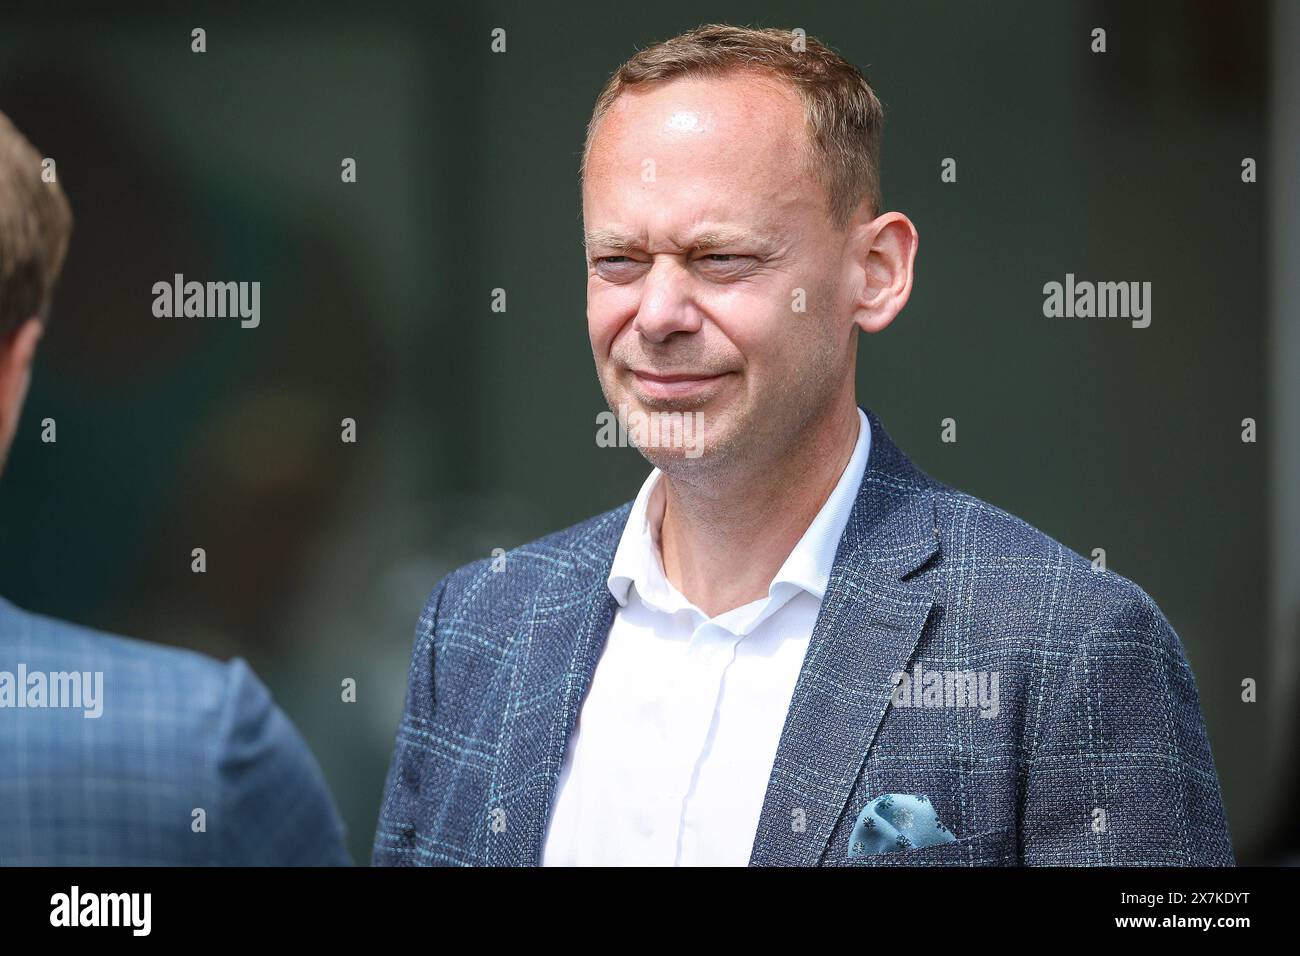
(178, 733)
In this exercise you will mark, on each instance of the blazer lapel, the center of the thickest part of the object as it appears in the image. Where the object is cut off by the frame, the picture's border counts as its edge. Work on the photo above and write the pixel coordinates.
(555, 654)
(870, 622)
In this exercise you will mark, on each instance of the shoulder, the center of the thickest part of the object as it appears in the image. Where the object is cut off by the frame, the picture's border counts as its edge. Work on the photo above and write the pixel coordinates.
(510, 581)
(973, 529)
(206, 733)
(1016, 574)
(140, 677)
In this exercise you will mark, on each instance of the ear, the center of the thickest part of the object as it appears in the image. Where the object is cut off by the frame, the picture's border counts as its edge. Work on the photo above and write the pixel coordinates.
(886, 253)
(17, 352)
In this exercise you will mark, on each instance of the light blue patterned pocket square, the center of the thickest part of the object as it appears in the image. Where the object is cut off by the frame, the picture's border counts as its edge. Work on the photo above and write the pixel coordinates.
(894, 822)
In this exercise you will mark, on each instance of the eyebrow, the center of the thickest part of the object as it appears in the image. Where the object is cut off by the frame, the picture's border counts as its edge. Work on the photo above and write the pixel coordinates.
(709, 239)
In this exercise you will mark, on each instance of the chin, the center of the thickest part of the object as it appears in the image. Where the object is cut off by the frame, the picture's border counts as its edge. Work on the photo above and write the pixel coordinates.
(699, 453)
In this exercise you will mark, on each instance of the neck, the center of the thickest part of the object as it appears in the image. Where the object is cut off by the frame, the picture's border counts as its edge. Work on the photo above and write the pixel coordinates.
(724, 540)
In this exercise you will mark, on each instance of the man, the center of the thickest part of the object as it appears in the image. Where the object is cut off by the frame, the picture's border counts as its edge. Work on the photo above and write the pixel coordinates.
(793, 648)
(112, 751)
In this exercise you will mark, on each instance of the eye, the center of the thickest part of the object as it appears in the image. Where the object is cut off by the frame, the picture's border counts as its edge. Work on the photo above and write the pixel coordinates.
(724, 263)
(616, 268)
(613, 262)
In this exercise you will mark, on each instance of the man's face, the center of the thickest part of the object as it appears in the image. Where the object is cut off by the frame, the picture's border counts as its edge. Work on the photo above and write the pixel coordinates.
(706, 236)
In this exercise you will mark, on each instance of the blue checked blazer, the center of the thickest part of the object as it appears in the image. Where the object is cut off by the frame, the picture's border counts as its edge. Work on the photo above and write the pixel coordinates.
(179, 731)
(1098, 754)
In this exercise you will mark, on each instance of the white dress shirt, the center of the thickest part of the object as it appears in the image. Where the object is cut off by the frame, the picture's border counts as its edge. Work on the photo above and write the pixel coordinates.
(669, 762)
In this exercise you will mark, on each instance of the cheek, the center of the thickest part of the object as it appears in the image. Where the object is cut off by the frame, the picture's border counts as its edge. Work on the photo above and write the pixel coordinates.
(758, 323)
(607, 314)
(600, 330)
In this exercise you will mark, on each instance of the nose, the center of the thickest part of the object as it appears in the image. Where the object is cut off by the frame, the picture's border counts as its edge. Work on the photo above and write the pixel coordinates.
(666, 305)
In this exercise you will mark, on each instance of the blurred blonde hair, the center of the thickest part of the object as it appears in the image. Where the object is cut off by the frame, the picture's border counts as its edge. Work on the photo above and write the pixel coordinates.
(35, 225)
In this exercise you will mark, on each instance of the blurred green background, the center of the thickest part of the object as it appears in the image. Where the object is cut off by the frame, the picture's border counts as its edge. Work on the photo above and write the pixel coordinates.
(476, 429)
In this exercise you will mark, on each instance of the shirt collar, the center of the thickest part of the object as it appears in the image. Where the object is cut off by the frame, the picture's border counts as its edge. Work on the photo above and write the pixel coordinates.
(808, 567)
(638, 558)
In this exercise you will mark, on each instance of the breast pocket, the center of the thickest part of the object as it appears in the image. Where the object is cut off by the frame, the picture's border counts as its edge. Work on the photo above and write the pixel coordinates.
(990, 848)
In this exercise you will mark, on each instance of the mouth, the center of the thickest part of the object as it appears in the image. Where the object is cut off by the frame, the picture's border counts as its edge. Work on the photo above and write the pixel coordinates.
(676, 385)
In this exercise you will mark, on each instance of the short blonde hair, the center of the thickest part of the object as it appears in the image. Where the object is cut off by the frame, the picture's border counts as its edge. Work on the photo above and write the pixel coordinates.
(35, 225)
(842, 113)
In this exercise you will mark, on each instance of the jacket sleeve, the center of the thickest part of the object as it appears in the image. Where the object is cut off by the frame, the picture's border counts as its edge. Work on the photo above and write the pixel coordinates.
(273, 807)
(1122, 773)
(395, 843)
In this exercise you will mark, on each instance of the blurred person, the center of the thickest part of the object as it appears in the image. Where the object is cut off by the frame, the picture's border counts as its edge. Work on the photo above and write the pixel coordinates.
(793, 647)
(113, 751)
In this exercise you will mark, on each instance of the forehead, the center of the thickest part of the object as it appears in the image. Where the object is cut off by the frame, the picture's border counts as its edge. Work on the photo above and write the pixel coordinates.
(715, 145)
